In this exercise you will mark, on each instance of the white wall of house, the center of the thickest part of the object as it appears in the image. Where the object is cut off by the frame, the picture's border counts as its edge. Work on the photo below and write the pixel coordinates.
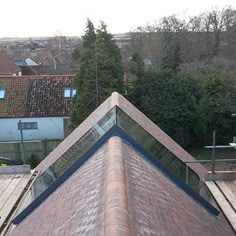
(47, 127)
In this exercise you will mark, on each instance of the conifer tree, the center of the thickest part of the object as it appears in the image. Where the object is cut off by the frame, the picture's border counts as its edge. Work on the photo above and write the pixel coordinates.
(100, 71)
(171, 51)
(109, 66)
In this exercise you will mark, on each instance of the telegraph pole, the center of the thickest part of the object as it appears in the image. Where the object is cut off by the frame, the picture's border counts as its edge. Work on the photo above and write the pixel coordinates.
(96, 70)
(22, 142)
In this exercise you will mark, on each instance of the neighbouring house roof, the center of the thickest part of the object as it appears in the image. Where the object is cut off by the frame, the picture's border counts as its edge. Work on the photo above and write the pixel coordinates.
(35, 96)
(29, 70)
(25, 62)
(7, 66)
(118, 174)
(20, 61)
(43, 58)
(30, 62)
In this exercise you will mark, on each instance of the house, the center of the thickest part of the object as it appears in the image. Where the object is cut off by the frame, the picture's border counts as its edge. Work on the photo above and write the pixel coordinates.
(147, 62)
(27, 65)
(41, 103)
(8, 67)
(45, 60)
(117, 174)
(25, 62)
(40, 62)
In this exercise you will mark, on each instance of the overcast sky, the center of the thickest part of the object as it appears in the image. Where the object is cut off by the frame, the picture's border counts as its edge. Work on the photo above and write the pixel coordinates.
(45, 17)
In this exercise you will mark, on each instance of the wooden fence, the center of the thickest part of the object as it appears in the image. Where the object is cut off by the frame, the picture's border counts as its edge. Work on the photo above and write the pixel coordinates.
(39, 149)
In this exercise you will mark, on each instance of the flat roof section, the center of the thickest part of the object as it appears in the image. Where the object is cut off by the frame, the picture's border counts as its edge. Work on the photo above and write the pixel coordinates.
(224, 193)
(11, 188)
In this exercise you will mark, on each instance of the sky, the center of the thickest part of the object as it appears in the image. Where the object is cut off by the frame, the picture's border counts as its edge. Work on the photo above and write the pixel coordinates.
(30, 18)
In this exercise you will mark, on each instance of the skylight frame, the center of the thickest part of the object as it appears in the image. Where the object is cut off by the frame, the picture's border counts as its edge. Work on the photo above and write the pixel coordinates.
(2, 93)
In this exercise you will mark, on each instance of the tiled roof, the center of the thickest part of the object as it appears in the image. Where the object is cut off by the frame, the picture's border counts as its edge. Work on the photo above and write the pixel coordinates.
(118, 192)
(19, 61)
(35, 96)
(43, 57)
(158, 207)
(7, 66)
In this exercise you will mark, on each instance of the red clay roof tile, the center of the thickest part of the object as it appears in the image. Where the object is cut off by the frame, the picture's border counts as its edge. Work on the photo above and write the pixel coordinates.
(35, 96)
(7, 66)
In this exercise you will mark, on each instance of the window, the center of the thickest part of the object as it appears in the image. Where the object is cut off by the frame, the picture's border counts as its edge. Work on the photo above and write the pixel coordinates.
(27, 125)
(2, 93)
(69, 92)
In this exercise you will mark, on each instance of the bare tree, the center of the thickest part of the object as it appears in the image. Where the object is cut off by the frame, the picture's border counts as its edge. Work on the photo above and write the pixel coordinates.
(195, 24)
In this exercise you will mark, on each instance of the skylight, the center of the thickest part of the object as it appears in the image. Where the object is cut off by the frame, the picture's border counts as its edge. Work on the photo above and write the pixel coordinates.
(69, 92)
(67, 159)
(2, 93)
(156, 149)
(117, 117)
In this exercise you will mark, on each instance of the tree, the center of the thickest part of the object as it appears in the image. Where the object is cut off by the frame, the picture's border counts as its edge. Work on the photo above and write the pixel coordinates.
(188, 106)
(136, 66)
(212, 110)
(76, 54)
(171, 50)
(100, 71)
(168, 100)
(109, 66)
(85, 83)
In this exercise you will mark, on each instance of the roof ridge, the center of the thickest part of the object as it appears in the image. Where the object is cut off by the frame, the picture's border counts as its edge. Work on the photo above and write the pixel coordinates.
(116, 198)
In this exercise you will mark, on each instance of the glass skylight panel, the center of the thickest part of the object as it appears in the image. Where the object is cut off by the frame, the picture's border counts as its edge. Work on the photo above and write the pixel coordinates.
(140, 135)
(67, 92)
(2, 93)
(73, 154)
(73, 92)
(156, 149)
